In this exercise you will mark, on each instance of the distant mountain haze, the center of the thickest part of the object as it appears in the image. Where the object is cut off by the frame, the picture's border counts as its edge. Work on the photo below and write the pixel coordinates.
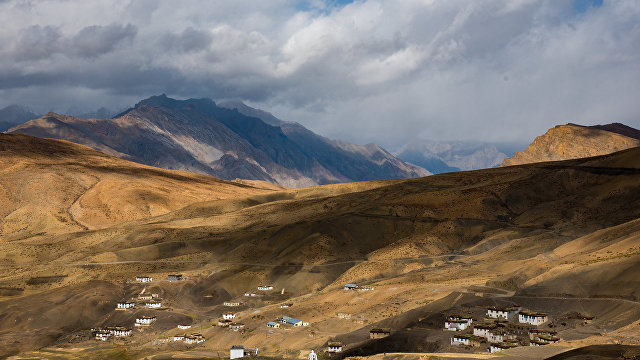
(572, 141)
(440, 157)
(13, 115)
(229, 141)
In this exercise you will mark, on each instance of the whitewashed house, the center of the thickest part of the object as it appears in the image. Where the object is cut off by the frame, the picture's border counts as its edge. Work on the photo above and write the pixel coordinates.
(119, 331)
(125, 305)
(144, 279)
(350, 286)
(499, 336)
(145, 320)
(250, 294)
(238, 351)
(503, 312)
(501, 346)
(466, 340)
(184, 327)
(153, 304)
(174, 277)
(231, 303)
(228, 316)
(236, 326)
(456, 325)
(334, 347)
(178, 337)
(482, 330)
(194, 339)
(102, 335)
(532, 318)
(265, 287)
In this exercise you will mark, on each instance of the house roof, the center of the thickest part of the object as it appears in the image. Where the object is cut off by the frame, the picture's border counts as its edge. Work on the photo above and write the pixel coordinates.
(237, 347)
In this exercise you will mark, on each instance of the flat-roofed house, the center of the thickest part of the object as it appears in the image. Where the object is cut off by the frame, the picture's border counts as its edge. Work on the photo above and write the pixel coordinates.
(334, 347)
(265, 287)
(238, 351)
(466, 340)
(503, 312)
(501, 346)
(102, 335)
(224, 322)
(118, 331)
(145, 320)
(153, 304)
(178, 337)
(533, 318)
(228, 316)
(250, 294)
(125, 305)
(174, 277)
(350, 286)
(483, 330)
(379, 333)
(231, 303)
(144, 279)
(184, 327)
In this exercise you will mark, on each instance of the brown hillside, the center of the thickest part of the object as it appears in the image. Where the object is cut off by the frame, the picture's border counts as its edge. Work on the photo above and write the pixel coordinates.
(573, 141)
(53, 186)
(471, 238)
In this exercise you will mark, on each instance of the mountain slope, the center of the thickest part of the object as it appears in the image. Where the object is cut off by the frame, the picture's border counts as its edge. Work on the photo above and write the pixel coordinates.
(51, 186)
(198, 135)
(13, 115)
(573, 141)
(438, 237)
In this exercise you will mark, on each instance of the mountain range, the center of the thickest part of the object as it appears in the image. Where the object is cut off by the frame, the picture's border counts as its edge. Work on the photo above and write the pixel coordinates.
(439, 157)
(228, 141)
(13, 115)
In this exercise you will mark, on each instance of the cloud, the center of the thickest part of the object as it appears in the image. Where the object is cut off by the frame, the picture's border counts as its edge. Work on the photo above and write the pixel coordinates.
(368, 70)
(95, 40)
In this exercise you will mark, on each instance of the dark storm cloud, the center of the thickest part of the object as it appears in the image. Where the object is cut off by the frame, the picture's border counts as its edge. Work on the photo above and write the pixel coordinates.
(93, 41)
(365, 71)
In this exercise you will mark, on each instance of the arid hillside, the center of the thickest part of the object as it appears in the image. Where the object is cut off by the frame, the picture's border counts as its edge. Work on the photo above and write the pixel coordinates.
(573, 141)
(53, 186)
(554, 236)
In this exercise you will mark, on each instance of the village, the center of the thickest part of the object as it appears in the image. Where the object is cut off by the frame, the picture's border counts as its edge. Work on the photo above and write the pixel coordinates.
(473, 329)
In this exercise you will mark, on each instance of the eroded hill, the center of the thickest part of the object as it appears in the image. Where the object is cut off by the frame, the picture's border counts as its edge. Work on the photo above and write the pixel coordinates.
(573, 141)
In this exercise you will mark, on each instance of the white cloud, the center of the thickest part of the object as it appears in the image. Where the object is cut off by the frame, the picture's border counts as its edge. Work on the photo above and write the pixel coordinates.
(372, 70)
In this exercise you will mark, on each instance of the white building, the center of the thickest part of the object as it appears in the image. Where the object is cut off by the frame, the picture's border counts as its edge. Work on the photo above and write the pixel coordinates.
(238, 351)
(153, 304)
(350, 286)
(532, 318)
(483, 330)
(312, 356)
(178, 337)
(125, 305)
(457, 323)
(501, 346)
(265, 287)
(231, 303)
(144, 279)
(503, 312)
(273, 324)
(184, 327)
(236, 326)
(286, 305)
(145, 320)
(102, 335)
(250, 294)
(499, 337)
(334, 347)
(194, 339)
(228, 316)
(119, 331)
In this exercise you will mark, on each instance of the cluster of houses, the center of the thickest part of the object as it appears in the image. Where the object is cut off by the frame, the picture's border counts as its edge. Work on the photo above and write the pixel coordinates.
(106, 333)
(144, 300)
(194, 338)
(501, 329)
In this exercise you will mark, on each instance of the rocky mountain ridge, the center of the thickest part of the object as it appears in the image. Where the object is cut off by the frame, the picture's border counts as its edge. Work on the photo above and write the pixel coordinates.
(200, 136)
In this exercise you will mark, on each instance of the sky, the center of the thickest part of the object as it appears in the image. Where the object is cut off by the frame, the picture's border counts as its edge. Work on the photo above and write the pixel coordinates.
(383, 71)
